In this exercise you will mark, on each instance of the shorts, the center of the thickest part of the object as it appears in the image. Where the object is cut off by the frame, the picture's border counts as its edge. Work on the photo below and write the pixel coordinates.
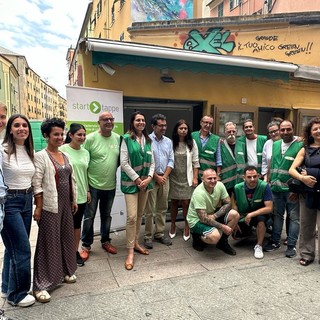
(205, 229)
(246, 230)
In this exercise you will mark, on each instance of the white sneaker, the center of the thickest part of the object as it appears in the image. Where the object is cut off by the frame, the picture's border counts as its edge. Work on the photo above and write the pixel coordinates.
(258, 252)
(27, 301)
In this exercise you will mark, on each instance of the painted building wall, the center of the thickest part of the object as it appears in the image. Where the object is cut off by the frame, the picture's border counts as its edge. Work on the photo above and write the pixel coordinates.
(281, 42)
(211, 89)
(110, 19)
(249, 7)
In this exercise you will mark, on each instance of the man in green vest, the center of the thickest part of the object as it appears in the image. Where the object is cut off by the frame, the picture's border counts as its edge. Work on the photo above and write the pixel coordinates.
(284, 152)
(253, 199)
(249, 149)
(228, 173)
(209, 223)
(208, 146)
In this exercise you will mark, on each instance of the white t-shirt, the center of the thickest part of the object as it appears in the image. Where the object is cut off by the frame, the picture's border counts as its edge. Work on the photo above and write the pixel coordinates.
(252, 152)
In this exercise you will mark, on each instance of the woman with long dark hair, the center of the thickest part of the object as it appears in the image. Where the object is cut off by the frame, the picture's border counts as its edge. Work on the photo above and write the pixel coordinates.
(55, 196)
(308, 158)
(137, 168)
(184, 176)
(18, 170)
(80, 158)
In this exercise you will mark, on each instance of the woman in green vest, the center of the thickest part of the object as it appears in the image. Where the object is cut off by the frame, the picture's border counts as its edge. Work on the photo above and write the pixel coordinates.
(137, 168)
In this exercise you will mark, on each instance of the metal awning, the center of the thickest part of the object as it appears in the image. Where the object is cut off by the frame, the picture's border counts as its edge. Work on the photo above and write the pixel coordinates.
(143, 55)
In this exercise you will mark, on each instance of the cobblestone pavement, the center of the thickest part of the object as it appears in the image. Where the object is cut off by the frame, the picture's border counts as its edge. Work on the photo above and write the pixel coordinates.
(177, 282)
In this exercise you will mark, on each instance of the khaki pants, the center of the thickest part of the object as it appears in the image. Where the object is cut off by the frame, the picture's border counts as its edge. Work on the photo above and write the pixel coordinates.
(135, 206)
(156, 207)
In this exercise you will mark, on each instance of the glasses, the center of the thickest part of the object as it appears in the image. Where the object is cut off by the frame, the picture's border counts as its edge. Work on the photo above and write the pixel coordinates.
(107, 119)
(273, 132)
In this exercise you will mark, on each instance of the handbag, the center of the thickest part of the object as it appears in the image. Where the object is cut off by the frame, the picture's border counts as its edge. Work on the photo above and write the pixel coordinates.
(296, 186)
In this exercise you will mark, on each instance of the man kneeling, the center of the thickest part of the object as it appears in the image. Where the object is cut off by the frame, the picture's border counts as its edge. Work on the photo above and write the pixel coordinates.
(207, 224)
(254, 203)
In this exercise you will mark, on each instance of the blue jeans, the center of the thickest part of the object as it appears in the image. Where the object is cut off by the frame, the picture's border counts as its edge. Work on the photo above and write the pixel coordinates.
(281, 203)
(16, 273)
(106, 198)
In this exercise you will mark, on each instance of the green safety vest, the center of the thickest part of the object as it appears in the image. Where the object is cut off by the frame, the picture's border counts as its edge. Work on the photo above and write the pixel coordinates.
(229, 166)
(280, 165)
(207, 154)
(140, 162)
(241, 154)
(244, 206)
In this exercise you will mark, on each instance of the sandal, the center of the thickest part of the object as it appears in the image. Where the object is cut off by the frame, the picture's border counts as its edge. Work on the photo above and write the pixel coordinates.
(70, 279)
(42, 296)
(128, 266)
(141, 250)
(305, 262)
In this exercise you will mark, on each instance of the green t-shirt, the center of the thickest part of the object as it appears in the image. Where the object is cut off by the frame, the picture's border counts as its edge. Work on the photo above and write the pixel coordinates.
(80, 161)
(104, 157)
(201, 199)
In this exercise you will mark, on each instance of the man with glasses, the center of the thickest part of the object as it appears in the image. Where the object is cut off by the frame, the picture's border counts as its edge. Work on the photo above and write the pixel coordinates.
(208, 146)
(273, 132)
(284, 152)
(229, 165)
(157, 202)
(103, 146)
(249, 149)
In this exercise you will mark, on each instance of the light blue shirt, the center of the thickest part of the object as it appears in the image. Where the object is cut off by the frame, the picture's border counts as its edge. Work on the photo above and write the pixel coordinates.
(218, 151)
(163, 153)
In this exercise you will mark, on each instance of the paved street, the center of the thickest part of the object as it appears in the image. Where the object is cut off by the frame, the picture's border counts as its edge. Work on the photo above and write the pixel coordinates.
(178, 282)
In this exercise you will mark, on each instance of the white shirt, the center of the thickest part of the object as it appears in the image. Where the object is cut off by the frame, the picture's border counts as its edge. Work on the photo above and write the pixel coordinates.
(18, 170)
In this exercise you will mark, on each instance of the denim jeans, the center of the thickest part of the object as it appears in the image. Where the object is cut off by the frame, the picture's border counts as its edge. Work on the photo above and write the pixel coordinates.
(16, 273)
(106, 198)
(281, 203)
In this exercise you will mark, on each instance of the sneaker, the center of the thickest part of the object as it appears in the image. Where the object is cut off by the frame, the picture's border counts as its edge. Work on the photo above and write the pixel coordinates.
(197, 243)
(3, 317)
(271, 246)
(285, 242)
(164, 240)
(109, 247)
(3, 296)
(27, 301)
(291, 252)
(226, 248)
(258, 252)
(148, 243)
(84, 253)
(80, 261)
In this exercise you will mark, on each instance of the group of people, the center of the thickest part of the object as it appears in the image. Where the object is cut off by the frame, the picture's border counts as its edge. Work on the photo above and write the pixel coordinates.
(255, 172)
(224, 187)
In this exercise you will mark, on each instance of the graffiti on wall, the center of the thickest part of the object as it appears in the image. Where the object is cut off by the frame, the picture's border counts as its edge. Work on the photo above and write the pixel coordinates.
(220, 41)
(273, 43)
(155, 10)
(214, 40)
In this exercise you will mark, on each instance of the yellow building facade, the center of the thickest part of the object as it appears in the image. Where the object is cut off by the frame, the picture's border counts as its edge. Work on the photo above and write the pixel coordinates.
(8, 85)
(229, 92)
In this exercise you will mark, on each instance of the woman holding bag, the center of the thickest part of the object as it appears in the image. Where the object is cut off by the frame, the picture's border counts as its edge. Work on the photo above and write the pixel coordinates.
(310, 176)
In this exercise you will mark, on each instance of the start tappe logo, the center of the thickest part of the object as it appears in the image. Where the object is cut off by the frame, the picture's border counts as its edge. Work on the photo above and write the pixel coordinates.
(95, 107)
